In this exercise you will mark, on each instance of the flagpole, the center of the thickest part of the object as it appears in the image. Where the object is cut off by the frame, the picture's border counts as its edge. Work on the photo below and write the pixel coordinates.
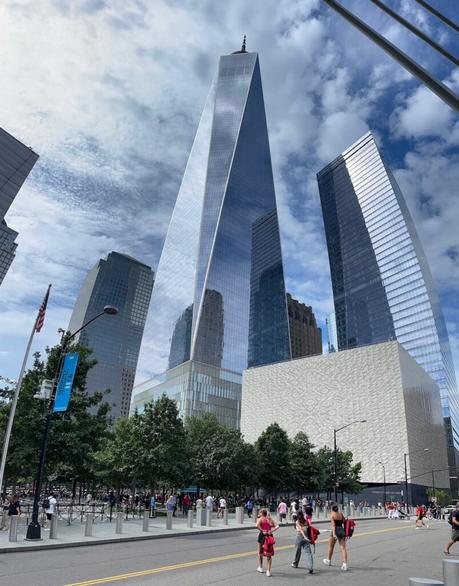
(14, 403)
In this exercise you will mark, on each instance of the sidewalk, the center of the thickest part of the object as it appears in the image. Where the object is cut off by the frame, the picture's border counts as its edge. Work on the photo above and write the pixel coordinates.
(104, 532)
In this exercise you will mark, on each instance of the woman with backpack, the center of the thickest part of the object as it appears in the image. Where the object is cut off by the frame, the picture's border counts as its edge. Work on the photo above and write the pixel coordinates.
(338, 535)
(303, 543)
(266, 526)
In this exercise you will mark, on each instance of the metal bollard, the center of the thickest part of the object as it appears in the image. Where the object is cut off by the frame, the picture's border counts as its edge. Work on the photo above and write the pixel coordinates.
(88, 525)
(209, 517)
(255, 514)
(14, 527)
(169, 520)
(199, 513)
(225, 517)
(146, 520)
(53, 528)
(119, 523)
(425, 582)
(451, 572)
(190, 519)
(238, 515)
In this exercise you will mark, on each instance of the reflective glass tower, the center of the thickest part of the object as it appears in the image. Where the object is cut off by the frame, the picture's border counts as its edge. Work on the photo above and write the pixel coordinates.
(16, 162)
(382, 285)
(221, 266)
(126, 283)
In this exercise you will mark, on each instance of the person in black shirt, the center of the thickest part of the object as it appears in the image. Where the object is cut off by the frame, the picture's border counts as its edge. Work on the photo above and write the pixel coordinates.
(454, 530)
(14, 507)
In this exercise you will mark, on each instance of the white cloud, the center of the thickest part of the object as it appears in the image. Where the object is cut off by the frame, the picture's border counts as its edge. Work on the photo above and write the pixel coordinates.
(111, 100)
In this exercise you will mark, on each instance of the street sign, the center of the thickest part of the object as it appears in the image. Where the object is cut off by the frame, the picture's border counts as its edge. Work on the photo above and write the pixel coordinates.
(64, 387)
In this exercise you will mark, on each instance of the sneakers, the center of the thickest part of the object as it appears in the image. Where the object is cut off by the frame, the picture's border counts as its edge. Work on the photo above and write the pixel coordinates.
(310, 571)
(327, 562)
(268, 573)
(294, 565)
(260, 569)
(344, 567)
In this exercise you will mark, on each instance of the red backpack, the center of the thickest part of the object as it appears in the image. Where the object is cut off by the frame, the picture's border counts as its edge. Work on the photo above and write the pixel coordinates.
(313, 534)
(268, 546)
(349, 526)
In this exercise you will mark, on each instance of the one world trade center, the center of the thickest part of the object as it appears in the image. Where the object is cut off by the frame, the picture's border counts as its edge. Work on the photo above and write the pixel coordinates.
(219, 304)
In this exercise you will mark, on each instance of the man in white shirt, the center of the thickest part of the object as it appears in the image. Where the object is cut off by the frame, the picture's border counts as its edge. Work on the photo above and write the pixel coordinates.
(221, 507)
(49, 510)
(209, 502)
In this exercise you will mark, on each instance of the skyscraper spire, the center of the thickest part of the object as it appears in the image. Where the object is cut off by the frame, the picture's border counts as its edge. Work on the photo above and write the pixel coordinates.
(243, 50)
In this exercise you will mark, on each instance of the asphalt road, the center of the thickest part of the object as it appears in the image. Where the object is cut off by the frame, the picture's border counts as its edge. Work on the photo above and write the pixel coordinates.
(381, 553)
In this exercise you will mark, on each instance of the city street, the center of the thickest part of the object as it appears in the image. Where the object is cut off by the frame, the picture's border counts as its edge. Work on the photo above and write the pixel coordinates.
(382, 553)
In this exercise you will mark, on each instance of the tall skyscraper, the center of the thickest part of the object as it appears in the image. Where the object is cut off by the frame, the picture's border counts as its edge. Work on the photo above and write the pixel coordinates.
(305, 336)
(332, 336)
(213, 270)
(126, 283)
(382, 285)
(16, 162)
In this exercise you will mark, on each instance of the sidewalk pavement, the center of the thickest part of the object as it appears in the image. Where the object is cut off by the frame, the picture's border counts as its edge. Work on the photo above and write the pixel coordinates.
(104, 532)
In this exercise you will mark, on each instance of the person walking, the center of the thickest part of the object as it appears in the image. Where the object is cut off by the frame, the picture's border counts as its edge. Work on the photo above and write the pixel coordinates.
(210, 502)
(152, 506)
(266, 527)
(454, 519)
(421, 512)
(249, 507)
(302, 543)
(221, 506)
(338, 534)
(49, 505)
(186, 504)
(282, 510)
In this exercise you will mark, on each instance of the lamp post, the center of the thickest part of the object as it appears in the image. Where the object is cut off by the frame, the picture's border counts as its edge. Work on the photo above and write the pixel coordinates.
(34, 529)
(384, 478)
(335, 453)
(406, 475)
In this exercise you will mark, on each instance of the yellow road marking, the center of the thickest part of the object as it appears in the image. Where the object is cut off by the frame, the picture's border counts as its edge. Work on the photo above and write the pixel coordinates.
(223, 558)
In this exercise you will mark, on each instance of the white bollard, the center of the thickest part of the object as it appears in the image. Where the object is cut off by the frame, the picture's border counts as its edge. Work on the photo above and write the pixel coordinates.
(146, 520)
(225, 517)
(119, 523)
(53, 528)
(190, 519)
(199, 513)
(255, 514)
(169, 520)
(451, 572)
(13, 528)
(209, 517)
(88, 525)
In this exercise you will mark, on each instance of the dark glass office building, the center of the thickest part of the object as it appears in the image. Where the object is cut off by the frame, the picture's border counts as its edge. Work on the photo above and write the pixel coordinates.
(382, 285)
(221, 264)
(16, 162)
(126, 283)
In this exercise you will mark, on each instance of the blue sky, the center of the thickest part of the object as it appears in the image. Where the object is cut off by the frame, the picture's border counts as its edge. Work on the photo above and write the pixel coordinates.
(109, 93)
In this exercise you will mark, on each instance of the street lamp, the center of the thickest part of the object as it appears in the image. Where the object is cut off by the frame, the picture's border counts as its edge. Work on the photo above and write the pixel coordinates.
(335, 453)
(34, 529)
(406, 475)
(384, 478)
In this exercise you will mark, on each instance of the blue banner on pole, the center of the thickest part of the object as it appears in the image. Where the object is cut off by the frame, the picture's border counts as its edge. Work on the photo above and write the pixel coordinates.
(64, 386)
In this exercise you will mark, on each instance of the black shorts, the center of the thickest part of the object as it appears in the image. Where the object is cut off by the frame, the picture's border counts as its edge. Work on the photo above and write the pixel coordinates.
(49, 516)
(283, 515)
(261, 537)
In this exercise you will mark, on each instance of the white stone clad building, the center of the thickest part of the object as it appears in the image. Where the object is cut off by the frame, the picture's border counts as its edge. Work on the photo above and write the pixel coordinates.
(381, 383)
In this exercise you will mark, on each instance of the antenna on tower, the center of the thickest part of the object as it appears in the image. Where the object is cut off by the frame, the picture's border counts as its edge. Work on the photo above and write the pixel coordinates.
(243, 50)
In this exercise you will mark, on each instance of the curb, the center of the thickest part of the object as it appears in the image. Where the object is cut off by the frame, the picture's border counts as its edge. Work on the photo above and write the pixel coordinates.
(147, 537)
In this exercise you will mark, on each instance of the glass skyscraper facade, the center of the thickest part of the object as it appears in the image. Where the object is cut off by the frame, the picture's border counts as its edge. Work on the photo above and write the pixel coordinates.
(16, 162)
(221, 265)
(125, 283)
(382, 285)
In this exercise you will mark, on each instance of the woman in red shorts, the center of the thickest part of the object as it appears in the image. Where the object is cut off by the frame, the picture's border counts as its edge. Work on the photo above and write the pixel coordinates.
(266, 526)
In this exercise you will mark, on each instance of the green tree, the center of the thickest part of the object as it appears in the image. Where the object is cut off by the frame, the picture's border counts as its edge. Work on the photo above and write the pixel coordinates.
(219, 457)
(116, 462)
(303, 464)
(443, 497)
(163, 454)
(75, 434)
(273, 452)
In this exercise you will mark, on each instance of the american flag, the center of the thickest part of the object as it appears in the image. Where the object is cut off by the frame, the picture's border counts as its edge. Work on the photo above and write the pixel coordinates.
(41, 312)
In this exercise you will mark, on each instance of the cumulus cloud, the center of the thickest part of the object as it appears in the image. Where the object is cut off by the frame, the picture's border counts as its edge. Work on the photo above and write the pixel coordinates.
(110, 94)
